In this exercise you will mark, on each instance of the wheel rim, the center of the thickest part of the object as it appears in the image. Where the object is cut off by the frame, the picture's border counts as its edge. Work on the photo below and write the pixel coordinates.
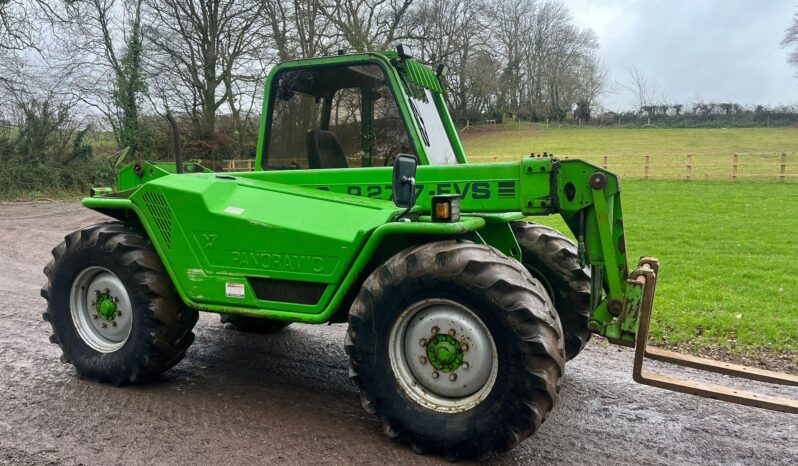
(101, 309)
(443, 356)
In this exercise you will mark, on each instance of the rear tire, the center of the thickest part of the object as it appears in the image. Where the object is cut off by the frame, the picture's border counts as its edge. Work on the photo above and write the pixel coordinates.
(492, 292)
(553, 259)
(142, 328)
(253, 324)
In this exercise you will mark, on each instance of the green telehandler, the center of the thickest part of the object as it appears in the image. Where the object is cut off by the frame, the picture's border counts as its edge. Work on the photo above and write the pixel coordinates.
(363, 209)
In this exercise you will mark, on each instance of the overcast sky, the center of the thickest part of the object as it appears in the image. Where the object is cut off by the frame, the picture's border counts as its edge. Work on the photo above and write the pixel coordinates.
(717, 49)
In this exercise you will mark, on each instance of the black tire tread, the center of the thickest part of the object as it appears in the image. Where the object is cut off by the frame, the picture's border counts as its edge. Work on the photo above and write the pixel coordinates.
(546, 251)
(526, 305)
(170, 321)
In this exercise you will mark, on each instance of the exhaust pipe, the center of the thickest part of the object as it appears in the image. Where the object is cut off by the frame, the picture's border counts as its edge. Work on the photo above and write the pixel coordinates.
(176, 137)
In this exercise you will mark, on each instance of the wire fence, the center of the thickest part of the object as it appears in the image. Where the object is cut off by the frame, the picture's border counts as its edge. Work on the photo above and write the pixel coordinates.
(775, 167)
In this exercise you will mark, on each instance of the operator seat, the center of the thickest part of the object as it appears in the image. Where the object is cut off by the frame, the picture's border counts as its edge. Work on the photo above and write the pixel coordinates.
(324, 150)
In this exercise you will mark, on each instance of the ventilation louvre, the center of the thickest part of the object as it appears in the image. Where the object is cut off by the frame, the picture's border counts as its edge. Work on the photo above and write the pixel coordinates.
(287, 291)
(162, 215)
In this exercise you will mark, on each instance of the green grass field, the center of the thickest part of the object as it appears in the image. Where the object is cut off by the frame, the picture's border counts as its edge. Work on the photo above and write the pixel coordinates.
(728, 282)
(759, 149)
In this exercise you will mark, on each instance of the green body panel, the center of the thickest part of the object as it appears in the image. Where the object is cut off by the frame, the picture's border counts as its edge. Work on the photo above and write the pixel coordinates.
(500, 236)
(218, 234)
(483, 188)
(127, 178)
(213, 231)
(238, 228)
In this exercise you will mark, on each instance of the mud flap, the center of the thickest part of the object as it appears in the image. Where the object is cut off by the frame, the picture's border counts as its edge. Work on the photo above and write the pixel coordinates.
(646, 275)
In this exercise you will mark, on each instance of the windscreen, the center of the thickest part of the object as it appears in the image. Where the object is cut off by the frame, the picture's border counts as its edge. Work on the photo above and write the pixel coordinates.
(439, 147)
(342, 116)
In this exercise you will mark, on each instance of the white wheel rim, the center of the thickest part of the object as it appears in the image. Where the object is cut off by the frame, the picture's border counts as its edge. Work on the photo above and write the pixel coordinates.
(446, 390)
(105, 333)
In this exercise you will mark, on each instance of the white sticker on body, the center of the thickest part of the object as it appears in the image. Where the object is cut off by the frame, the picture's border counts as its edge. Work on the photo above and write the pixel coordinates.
(234, 210)
(234, 290)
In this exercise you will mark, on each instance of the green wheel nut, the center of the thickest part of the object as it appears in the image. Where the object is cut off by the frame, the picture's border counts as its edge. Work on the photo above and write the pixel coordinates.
(106, 307)
(444, 352)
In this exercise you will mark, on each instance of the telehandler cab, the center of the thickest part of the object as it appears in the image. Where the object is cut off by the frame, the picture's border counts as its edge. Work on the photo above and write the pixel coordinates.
(362, 209)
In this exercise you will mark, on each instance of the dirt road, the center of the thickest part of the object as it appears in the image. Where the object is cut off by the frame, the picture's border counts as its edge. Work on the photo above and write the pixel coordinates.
(237, 398)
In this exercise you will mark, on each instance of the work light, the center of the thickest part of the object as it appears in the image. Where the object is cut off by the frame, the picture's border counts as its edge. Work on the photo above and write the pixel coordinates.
(446, 208)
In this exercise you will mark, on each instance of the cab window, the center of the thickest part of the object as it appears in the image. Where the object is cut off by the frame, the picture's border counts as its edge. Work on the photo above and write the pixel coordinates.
(334, 117)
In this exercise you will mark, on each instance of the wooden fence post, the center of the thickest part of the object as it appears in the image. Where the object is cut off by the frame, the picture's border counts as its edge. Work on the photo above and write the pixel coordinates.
(646, 164)
(735, 163)
(606, 162)
(783, 168)
(689, 166)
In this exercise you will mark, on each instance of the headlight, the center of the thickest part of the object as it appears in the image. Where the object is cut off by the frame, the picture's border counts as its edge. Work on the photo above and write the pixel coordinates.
(446, 208)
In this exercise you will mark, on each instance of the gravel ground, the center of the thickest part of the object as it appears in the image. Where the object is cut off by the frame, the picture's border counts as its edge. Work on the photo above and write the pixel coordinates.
(239, 398)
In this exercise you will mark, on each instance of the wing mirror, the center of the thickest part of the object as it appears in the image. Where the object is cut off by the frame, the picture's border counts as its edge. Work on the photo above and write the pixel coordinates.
(404, 181)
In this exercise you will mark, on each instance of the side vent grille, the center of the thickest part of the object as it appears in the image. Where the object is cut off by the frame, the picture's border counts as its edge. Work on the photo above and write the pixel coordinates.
(287, 291)
(162, 215)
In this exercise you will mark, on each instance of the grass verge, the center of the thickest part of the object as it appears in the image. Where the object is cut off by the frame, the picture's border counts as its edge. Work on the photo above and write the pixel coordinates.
(627, 151)
(486, 142)
(728, 284)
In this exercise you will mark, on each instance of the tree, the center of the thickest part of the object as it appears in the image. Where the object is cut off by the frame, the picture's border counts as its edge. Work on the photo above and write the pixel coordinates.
(206, 60)
(21, 22)
(549, 64)
(481, 80)
(590, 83)
(130, 84)
(201, 53)
(451, 32)
(48, 131)
(17, 30)
(104, 56)
(512, 22)
(298, 29)
(644, 91)
(791, 41)
(571, 68)
(582, 110)
(366, 25)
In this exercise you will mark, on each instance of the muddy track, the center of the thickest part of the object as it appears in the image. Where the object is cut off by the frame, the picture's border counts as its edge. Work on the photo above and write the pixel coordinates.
(287, 398)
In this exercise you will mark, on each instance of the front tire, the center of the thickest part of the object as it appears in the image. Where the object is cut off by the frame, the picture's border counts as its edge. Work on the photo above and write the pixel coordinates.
(553, 259)
(113, 309)
(498, 349)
